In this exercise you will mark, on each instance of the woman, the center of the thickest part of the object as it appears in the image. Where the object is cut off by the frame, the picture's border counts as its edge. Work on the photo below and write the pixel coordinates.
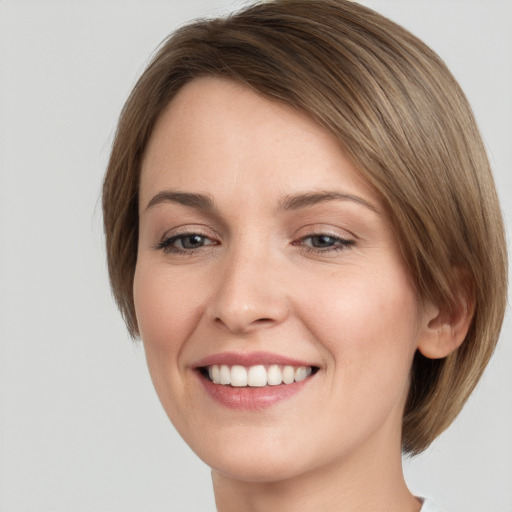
(303, 229)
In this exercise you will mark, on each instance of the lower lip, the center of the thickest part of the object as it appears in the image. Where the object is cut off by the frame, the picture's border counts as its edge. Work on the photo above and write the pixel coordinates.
(251, 398)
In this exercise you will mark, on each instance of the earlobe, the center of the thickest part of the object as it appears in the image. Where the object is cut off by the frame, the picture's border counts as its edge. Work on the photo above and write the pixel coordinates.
(445, 328)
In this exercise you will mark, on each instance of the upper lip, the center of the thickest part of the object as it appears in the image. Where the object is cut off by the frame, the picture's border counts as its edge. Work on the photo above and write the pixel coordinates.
(249, 359)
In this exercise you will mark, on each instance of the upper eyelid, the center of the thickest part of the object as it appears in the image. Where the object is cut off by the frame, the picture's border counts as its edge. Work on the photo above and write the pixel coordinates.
(189, 229)
(309, 231)
(336, 237)
(319, 229)
(319, 226)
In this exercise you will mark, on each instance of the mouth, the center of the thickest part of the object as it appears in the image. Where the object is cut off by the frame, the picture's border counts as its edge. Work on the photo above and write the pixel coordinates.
(255, 376)
(252, 381)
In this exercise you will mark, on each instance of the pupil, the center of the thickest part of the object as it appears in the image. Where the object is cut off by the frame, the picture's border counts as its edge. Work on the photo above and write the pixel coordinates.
(322, 241)
(191, 242)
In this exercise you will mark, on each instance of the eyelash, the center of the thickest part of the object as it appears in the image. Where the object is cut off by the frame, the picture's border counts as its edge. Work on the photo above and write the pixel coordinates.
(166, 244)
(341, 243)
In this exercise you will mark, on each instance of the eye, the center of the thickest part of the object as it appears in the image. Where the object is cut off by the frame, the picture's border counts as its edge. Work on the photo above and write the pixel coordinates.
(185, 243)
(323, 242)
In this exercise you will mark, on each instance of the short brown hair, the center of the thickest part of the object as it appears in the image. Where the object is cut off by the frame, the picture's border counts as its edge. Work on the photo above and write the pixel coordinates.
(407, 127)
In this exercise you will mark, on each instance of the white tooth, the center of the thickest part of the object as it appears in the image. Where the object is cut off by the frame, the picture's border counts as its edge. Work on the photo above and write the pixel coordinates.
(238, 376)
(215, 373)
(288, 374)
(257, 376)
(274, 375)
(301, 373)
(225, 374)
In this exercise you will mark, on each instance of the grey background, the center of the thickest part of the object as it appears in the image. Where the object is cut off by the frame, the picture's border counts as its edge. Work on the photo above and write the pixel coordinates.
(80, 426)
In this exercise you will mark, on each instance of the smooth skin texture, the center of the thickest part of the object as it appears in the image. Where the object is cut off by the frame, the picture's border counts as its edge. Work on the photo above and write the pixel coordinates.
(319, 279)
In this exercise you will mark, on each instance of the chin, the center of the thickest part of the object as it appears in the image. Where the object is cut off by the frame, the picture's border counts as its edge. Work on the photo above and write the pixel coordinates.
(261, 459)
(257, 470)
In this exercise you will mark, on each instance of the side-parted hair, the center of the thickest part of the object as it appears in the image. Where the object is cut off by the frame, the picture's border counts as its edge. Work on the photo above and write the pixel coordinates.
(407, 127)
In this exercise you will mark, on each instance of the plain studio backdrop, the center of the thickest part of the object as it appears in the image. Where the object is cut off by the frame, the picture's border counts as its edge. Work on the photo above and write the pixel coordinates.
(81, 427)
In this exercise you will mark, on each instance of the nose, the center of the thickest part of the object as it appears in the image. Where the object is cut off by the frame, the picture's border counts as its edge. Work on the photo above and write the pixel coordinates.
(250, 293)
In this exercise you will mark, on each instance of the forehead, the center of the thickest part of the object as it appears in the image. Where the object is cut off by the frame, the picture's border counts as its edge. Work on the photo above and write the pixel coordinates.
(218, 135)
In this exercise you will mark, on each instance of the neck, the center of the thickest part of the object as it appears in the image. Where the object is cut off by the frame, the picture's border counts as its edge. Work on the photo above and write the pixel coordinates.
(369, 481)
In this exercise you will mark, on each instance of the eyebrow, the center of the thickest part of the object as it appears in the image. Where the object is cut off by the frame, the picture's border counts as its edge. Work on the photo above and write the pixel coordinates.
(299, 201)
(197, 201)
(288, 203)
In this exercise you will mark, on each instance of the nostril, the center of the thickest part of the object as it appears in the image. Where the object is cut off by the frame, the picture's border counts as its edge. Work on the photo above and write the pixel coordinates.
(240, 325)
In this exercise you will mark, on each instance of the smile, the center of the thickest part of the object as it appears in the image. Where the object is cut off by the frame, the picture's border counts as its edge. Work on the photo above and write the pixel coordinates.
(256, 376)
(253, 381)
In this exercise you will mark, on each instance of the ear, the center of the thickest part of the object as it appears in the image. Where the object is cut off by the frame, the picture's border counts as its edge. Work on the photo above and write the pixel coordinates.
(445, 328)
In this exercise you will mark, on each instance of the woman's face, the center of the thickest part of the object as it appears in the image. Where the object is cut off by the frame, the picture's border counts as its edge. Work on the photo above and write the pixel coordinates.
(264, 257)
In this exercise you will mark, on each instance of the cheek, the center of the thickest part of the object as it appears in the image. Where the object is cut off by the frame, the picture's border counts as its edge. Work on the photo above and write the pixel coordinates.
(369, 323)
(167, 309)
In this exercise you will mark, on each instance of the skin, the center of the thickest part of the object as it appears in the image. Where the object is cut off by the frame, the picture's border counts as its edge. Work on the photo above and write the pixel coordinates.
(257, 283)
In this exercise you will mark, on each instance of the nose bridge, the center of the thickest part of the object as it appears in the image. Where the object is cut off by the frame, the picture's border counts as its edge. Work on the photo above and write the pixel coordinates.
(249, 293)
